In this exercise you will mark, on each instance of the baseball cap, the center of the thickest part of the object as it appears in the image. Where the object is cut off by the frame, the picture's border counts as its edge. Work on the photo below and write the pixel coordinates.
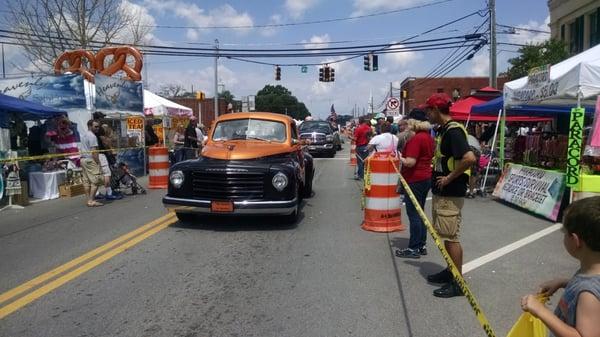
(379, 115)
(417, 114)
(439, 100)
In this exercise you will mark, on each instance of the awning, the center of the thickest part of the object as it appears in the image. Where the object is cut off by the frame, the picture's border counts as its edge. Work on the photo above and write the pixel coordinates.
(25, 109)
(160, 106)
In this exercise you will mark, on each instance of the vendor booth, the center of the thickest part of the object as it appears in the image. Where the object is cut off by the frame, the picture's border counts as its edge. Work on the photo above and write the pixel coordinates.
(13, 112)
(552, 159)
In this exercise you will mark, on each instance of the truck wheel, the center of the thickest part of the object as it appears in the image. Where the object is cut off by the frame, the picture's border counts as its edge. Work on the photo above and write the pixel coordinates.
(308, 183)
(331, 154)
(185, 217)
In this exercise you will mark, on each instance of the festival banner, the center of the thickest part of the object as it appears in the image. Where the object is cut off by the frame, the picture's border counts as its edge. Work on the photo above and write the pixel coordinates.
(575, 146)
(533, 189)
(62, 92)
(115, 95)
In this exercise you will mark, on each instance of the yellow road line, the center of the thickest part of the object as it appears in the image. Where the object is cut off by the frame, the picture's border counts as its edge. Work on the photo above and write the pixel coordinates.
(65, 267)
(45, 289)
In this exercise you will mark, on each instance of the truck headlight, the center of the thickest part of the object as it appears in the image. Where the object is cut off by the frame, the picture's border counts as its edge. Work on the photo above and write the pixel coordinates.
(280, 181)
(176, 178)
(329, 138)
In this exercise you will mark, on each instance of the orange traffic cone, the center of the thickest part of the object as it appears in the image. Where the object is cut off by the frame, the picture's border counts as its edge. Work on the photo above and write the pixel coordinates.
(158, 162)
(382, 202)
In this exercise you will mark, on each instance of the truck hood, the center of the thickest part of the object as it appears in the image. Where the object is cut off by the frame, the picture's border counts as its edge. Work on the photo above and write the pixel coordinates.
(241, 150)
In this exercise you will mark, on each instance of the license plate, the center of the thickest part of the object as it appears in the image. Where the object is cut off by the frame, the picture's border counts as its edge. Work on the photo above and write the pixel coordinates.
(221, 206)
(312, 147)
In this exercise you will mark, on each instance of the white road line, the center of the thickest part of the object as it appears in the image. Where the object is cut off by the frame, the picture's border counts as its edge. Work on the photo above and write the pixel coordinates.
(478, 262)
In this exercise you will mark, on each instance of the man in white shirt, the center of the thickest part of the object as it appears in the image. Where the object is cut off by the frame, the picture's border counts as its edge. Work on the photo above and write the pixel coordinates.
(90, 163)
(384, 142)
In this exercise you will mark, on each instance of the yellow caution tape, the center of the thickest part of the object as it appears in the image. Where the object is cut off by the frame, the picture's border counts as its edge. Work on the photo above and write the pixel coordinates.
(483, 321)
(64, 155)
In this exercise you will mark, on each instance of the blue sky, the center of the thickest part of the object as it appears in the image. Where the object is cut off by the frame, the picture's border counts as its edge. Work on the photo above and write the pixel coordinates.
(352, 85)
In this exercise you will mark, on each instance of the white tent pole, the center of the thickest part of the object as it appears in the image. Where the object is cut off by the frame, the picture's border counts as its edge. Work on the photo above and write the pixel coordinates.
(487, 169)
(468, 120)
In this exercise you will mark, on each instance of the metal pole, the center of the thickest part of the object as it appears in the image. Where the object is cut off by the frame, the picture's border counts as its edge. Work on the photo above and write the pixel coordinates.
(493, 71)
(216, 79)
(3, 70)
(487, 169)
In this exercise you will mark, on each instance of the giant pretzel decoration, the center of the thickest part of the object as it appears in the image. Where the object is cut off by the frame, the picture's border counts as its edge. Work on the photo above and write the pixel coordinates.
(97, 62)
(76, 64)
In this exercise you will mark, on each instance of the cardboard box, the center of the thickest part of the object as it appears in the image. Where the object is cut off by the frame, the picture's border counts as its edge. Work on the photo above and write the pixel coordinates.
(71, 190)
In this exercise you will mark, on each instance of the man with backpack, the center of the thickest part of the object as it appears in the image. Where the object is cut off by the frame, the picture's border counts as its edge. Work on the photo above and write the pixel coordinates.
(452, 162)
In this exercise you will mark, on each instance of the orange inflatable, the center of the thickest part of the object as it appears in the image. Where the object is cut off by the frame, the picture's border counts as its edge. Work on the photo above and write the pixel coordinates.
(119, 62)
(76, 63)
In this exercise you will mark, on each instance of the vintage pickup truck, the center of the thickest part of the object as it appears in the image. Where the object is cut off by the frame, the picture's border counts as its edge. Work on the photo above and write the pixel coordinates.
(252, 164)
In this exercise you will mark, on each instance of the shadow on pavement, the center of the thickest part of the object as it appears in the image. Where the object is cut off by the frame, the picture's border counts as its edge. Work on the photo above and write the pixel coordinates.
(425, 267)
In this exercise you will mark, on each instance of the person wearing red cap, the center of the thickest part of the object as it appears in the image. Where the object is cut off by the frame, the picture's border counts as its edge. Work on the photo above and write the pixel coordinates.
(450, 178)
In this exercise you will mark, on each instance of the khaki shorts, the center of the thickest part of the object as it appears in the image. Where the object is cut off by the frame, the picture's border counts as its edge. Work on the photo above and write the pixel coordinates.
(91, 172)
(447, 217)
(104, 167)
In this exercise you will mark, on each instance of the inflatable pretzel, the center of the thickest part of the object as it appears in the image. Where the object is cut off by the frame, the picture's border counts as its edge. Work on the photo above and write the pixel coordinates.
(119, 62)
(75, 60)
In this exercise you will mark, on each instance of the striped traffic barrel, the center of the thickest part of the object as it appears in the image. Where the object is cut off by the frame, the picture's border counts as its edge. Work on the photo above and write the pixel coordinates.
(382, 201)
(352, 153)
(158, 163)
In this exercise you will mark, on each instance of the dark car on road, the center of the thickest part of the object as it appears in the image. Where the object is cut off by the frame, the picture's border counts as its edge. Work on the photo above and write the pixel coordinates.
(252, 164)
(321, 136)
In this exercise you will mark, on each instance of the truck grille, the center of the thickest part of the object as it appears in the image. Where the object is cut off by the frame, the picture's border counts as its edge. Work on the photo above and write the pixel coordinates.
(228, 185)
(313, 137)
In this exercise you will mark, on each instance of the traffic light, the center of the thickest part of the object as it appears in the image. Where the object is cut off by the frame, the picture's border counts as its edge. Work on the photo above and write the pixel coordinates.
(367, 62)
(374, 63)
(332, 75)
(277, 73)
(321, 75)
(327, 73)
(404, 94)
(200, 95)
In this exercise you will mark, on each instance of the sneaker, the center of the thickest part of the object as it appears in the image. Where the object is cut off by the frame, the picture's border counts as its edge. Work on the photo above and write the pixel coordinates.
(408, 253)
(445, 276)
(99, 196)
(448, 290)
(423, 251)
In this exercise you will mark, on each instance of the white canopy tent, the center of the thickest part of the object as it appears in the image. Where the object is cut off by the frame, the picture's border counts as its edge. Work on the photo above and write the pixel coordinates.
(160, 106)
(564, 83)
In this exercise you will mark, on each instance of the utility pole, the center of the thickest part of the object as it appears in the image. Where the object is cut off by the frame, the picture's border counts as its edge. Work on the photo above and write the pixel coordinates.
(3, 70)
(492, 10)
(391, 91)
(216, 79)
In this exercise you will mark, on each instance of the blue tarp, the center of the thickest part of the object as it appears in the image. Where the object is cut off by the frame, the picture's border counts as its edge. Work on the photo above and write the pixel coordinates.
(25, 109)
(496, 104)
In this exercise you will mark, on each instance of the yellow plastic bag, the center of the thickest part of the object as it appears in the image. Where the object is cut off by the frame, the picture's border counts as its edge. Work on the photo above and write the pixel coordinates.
(529, 326)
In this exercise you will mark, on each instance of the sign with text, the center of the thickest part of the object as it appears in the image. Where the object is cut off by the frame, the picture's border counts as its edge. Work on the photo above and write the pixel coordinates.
(61, 92)
(575, 145)
(538, 88)
(533, 189)
(135, 123)
(119, 95)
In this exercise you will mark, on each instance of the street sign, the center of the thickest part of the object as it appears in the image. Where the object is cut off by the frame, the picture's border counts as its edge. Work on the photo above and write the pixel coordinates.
(393, 103)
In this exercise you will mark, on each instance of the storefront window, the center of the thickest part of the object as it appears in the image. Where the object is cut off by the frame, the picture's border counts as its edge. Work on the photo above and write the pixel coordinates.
(576, 36)
(595, 28)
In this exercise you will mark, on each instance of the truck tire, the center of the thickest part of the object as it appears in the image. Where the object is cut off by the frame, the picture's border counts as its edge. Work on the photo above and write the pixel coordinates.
(185, 217)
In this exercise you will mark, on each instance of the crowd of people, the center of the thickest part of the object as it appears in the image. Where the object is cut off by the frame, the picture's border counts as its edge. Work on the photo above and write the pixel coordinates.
(437, 154)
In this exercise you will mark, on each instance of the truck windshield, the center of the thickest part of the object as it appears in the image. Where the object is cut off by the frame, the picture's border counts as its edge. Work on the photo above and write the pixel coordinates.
(250, 129)
(315, 127)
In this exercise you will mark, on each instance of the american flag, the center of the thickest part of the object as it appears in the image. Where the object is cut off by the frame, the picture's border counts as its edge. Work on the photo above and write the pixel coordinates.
(333, 115)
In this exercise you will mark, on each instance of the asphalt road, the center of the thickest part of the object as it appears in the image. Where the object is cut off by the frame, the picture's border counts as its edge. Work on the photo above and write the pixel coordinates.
(255, 277)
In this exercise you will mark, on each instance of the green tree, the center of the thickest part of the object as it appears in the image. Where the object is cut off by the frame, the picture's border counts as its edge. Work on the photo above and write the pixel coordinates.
(536, 55)
(279, 99)
(227, 96)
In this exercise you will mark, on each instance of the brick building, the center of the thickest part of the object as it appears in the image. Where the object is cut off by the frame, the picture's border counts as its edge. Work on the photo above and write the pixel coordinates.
(203, 109)
(416, 90)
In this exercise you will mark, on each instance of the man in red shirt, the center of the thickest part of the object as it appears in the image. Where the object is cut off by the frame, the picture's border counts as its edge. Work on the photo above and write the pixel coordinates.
(361, 138)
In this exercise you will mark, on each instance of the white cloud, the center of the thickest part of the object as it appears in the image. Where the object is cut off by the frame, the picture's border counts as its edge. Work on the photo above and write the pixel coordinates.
(369, 6)
(527, 37)
(224, 15)
(275, 19)
(317, 41)
(297, 8)
(480, 64)
(400, 59)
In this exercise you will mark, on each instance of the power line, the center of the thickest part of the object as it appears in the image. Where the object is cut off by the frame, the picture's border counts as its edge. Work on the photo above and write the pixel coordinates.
(291, 24)
(524, 29)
